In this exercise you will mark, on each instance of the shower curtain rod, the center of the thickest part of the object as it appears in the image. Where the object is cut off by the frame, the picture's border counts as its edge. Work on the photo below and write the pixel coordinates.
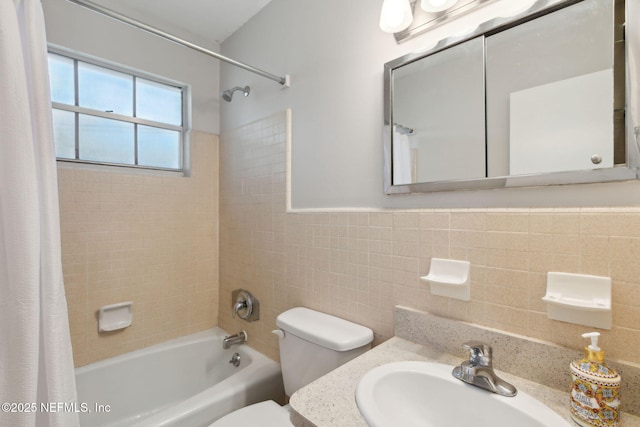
(404, 130)
(148, 28)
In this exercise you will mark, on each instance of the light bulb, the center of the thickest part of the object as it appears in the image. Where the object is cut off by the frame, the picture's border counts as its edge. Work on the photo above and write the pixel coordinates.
(395, 15)
(436, 5)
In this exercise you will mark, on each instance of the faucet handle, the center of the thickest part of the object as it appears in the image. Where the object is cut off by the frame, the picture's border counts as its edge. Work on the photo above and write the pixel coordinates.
(245, 305)
(240, 305)
(480, 353)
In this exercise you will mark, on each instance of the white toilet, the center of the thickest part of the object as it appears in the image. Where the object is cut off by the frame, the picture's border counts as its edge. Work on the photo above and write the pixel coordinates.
(311, 345)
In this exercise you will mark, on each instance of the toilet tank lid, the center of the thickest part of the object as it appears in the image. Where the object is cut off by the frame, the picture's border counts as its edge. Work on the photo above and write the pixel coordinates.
(324, 329)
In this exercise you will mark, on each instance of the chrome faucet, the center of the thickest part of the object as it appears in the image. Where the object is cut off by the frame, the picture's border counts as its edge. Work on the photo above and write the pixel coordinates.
(478, 370)
(240, 305)
(245, 305)
(238, 338)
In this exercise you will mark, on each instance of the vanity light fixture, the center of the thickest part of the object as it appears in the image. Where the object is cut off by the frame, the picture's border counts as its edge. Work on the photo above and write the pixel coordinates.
(395, 16)
(409, 18)
(517, 9)
(437, 5)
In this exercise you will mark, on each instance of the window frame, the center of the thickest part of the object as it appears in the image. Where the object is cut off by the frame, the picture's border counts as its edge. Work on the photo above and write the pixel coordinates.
(135, 74)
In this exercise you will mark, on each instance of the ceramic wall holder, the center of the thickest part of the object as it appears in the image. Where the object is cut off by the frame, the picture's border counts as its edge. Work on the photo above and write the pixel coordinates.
(579, 298)
(115, 316)
(449, 278)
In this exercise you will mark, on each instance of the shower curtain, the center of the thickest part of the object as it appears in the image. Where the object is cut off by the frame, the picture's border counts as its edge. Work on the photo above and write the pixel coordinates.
(37, 383)
(402, 158)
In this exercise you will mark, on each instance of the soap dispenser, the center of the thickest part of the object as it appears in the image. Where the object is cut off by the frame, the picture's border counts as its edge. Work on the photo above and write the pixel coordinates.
(595, 388)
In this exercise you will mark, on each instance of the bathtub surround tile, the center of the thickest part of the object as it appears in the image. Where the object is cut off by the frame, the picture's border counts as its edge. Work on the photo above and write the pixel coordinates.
(359, 265)
(143, 238)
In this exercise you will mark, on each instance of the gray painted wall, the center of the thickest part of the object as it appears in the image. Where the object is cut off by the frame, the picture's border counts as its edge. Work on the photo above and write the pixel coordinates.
(334, 52)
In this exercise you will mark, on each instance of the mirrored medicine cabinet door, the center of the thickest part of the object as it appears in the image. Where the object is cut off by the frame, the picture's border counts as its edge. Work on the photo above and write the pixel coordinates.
(534, 99)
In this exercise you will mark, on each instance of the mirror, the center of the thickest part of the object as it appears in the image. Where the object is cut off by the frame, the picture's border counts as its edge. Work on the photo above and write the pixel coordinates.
(534, 99)
(454, 118)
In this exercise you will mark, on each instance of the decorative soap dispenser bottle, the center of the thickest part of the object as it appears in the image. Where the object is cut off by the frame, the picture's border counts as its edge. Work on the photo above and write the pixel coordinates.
(595, 388)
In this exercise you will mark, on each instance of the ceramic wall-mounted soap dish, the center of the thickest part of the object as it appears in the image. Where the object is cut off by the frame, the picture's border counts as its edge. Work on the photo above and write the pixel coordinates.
(579, 298)
(449, 278)
(115, 316)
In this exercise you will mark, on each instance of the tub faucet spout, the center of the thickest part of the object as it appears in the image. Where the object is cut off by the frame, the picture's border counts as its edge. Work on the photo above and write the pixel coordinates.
(238, 338)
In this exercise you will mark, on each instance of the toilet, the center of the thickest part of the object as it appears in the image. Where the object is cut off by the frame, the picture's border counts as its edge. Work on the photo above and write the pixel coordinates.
(311, 345)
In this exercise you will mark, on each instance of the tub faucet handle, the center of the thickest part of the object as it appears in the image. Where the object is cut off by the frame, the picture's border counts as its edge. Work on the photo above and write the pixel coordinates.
(245, 305)
(240, 305)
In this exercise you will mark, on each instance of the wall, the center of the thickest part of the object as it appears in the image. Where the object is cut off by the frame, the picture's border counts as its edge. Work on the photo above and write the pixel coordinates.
(145, 238)
(252, 226)
(360, 265)
(148, 238)
(334, 52)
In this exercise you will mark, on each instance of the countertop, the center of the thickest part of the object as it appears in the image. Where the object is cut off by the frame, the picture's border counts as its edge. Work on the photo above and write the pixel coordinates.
(330, 400)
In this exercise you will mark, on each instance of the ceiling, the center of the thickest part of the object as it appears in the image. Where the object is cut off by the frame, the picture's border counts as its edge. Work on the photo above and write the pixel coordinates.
(198, 21)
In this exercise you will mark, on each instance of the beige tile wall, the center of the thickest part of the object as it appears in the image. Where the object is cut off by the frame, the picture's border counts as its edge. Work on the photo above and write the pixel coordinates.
(145, 238)
(360, 265)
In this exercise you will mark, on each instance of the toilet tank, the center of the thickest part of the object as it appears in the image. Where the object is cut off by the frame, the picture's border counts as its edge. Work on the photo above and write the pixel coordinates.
(314, 343)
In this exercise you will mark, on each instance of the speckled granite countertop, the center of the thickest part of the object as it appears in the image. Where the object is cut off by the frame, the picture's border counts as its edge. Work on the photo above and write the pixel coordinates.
(330, 400)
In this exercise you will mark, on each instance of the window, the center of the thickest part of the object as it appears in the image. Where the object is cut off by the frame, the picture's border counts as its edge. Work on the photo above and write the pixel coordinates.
(108, 115)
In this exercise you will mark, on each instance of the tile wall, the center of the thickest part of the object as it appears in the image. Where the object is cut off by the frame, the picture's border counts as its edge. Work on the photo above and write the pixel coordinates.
(360, 265)
(145, 238)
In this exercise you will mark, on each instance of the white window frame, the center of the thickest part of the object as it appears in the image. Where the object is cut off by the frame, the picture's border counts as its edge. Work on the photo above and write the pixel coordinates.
(186, 111)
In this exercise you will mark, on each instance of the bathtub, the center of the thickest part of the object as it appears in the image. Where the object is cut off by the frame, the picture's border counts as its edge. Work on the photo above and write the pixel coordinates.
(186, 382)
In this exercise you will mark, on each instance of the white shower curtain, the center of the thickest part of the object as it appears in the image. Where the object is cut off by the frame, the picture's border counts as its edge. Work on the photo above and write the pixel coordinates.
(37, 383)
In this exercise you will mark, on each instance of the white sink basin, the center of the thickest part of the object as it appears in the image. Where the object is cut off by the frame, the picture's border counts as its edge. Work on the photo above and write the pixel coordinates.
(427, 395)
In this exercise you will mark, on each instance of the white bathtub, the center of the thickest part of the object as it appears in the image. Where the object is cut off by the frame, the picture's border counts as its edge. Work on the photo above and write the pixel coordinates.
(186, 382)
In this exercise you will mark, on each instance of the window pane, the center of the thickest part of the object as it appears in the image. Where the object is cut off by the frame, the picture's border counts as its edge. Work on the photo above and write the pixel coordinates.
(61, 78)
(158, 147)
(158, 102)
(64, 131)
(105, 140)
(105, 90)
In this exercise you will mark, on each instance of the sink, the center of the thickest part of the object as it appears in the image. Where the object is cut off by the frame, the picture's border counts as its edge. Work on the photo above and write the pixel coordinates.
(427, 395)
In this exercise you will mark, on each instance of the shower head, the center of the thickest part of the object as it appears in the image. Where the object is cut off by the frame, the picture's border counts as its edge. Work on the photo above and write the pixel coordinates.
(228, 94)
